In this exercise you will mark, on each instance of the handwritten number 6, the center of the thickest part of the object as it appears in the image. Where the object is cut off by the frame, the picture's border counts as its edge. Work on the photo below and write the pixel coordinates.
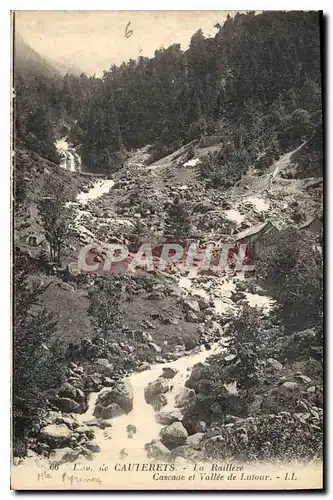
(128, 32)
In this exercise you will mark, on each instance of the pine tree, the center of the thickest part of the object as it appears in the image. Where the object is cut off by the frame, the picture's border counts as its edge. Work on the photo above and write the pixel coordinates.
(178, 221)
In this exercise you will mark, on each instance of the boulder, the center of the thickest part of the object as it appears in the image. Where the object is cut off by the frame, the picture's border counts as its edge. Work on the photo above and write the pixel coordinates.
(185, 397)
(154, 347)
(56, 435)
(108, 382)
(84, 429)
(189, 454)
(192, 317)
(69, 391)
(145, 366)
(104, 367)
(274, 364)
(169, 417)
(111, 411)
(194, 441)
(204, 302)
(191, 305)
(154, 389)
(190, 343)
(68, 405)
(144, 336)
(303, 378)
(121, 394)
(63, 455)
(93, 446)
(237, 296)
(94, 382)
(173, 435)
(200, 426)
(156, 296)
(169, 372)
(290, 386)
(199, 372)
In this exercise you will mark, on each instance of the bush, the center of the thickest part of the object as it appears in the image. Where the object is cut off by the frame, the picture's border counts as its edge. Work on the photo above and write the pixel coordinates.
(224, 169)
(37, 362)
(292, 270)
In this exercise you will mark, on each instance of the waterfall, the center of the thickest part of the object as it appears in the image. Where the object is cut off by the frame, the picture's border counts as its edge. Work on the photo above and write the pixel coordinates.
(69, 159)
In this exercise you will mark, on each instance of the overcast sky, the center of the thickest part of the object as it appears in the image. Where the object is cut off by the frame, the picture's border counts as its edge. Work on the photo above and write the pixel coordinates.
(93, 40)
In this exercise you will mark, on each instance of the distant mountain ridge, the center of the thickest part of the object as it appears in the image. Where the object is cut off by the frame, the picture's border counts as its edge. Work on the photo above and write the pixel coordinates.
(28, 59)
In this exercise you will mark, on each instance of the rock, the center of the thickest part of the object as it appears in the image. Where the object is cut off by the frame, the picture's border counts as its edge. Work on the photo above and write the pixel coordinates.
(154, 389)
(304, 378)
(190, 343)
(84, 429)
(199, 373)
(274, 364)
(290, 386)
(169, 417)
(191, 317)
(230, 357)
(145, 366)
(104, 367)
(191, 305)
(108, 382)
(94, 382)
(237, 296)
(154, 347)
(184, 397)
(145, 337)
(173, 435)
(121, 394)
(157, 450)
(56, 435)
(169, 372)
(63, 455)
(200, 426)
(69, 391)
(93, 446)
(156, 296)
(68, 405)
(194, 441)
(111, 411)
(186, 453)
(204, 302)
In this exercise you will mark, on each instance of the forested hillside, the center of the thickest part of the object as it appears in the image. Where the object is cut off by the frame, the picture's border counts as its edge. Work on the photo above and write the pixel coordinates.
(257, 79)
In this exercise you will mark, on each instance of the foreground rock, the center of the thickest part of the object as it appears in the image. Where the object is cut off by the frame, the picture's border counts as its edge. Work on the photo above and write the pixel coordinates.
(104, 367)
(56, 435)
(195, 440)
(157, 450)
(185, 397)
(114, 401)
(169, 372)
(173, 435)
(154, 392)
(168, 417)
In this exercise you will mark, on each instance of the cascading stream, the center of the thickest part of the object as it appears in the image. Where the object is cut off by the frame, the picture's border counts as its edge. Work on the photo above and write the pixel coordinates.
(69, 159)
(114, 441)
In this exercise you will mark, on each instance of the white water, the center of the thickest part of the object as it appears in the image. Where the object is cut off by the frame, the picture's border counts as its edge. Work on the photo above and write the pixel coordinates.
(260, 204)
(114, 440)
(100, 187)
(70, 160)
(235, 216)
(192, 163)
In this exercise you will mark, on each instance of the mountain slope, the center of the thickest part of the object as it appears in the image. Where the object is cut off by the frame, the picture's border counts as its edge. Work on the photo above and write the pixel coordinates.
(29, 60)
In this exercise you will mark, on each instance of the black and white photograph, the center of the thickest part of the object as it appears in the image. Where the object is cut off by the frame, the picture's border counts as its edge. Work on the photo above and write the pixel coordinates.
(167, 250)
